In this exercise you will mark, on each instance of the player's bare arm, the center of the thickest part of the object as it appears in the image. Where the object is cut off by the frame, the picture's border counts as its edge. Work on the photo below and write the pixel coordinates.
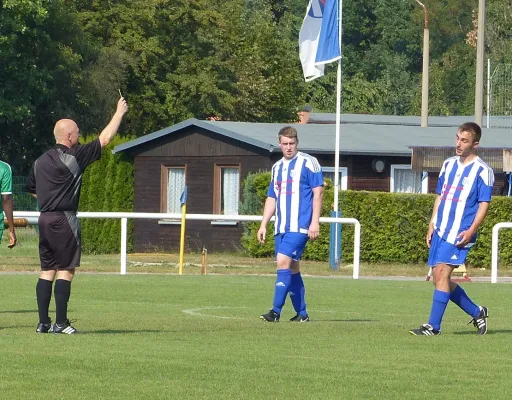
(110, 130)
(7, 206)
(465, 236)
(314, 228)
(268, 212)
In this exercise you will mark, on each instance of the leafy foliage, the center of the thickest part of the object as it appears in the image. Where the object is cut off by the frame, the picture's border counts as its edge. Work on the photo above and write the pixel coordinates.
(40, 75)
(480, 255)
(107, 185)
(255, 189)
(198, 59)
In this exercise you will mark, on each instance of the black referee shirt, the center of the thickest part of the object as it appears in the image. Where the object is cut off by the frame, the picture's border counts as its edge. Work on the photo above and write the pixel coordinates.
(56, 176)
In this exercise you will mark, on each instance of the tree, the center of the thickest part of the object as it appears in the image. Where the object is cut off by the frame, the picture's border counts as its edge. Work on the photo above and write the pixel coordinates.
(40, 51)
(498, 30)
(198, 58)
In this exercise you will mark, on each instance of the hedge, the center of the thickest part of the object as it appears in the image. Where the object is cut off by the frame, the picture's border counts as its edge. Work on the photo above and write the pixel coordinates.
(107, 185)
(393, 226)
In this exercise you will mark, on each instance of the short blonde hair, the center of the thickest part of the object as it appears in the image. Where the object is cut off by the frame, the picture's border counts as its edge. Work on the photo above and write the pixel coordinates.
(289, 132)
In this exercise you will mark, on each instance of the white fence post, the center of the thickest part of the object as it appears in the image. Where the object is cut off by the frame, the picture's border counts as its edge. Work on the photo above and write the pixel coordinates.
(124, 239)
(494, 249)
(494, 254)
(357, 249)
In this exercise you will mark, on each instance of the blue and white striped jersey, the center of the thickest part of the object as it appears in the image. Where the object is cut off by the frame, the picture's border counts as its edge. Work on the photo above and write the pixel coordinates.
(462, 188)
(292, 186)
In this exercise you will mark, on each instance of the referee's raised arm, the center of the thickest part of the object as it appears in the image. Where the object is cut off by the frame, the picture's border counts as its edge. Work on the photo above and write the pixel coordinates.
(111, 129)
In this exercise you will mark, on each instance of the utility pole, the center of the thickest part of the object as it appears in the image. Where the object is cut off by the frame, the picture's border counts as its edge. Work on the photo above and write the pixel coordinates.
(479, 84)
(425, 73)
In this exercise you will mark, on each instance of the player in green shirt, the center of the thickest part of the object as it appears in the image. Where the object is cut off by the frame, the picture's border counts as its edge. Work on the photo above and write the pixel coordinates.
(6, 204)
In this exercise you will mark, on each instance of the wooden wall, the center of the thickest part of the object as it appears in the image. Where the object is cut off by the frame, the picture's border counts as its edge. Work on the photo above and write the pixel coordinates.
(199, 153)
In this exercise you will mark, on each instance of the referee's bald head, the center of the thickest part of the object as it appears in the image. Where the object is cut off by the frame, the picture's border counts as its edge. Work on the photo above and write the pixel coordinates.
(66, 132)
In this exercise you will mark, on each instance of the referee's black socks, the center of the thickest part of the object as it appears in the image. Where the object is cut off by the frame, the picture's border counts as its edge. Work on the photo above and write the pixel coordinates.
(62, 292)
(43, 295)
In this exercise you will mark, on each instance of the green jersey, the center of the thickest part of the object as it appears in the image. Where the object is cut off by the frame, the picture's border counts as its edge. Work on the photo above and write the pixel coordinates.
(5, 187)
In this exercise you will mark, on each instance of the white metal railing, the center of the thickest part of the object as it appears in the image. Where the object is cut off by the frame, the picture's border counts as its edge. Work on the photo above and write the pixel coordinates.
(200, 217)
(494, 249)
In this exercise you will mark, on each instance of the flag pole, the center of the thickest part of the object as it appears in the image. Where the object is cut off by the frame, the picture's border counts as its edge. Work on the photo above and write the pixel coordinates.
(320, 44)
(182, 237)
(337, 146)
(183, 201)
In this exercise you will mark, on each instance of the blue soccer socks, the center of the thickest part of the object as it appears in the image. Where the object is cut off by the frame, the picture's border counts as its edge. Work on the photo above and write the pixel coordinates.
(439, 302)
(459, 297)
(283, 280)
(297, 294)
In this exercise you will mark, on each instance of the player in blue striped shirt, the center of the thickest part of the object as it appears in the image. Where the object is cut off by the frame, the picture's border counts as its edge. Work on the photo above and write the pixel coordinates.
(295, 196)
(464, 192)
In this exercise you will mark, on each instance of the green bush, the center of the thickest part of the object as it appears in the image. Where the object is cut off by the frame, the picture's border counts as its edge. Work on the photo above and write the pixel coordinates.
(500, 210)
(22, 200)
(107, 185)
(254, 194)
(393, 227)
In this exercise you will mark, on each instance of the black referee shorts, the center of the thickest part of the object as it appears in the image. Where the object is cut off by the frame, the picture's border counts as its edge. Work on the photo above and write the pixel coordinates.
(59, 240)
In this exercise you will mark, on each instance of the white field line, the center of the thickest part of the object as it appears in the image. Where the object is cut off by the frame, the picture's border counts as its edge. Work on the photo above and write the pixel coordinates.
(198, 312)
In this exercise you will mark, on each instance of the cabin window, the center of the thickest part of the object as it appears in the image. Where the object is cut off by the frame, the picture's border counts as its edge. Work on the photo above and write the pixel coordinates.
(173, 184)
(226, 194)
(404, 180)
(328, 172)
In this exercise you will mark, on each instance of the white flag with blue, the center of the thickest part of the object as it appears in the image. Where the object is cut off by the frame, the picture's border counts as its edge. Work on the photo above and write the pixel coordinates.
(183, 197)
(319, 38)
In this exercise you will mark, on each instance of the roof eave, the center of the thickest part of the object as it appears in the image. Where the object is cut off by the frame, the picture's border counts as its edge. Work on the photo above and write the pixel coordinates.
(188, 123)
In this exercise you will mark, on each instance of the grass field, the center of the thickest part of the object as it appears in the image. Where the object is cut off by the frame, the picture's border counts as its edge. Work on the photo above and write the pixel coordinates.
(199, 337)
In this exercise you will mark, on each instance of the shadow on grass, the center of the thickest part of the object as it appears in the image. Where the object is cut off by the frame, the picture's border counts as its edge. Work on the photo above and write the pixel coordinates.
(99, 332)
(3, 328)
(489, 332)
(18, 311)
(119, 331)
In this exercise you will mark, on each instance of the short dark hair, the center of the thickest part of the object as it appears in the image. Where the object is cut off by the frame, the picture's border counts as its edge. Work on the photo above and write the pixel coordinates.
(473, 128)
(289, 132)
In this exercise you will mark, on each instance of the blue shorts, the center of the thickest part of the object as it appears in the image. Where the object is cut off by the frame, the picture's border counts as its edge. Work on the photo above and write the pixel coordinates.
(291, 244)
(442, 252)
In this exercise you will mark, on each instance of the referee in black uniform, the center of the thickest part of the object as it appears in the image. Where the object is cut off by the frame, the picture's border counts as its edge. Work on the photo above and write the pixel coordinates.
(56, 179)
